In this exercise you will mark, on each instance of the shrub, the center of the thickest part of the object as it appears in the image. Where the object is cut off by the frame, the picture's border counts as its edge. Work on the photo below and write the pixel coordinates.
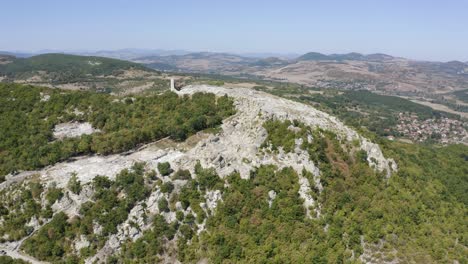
(182, 175)
(53, 194)
(163, 205)
(180, 215)
(167, 187)
(164, 168)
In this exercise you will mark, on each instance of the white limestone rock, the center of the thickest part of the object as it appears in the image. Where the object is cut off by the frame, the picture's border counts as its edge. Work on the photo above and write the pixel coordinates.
(81, 243)
(73, 129)
(271, 197)
(212, 198)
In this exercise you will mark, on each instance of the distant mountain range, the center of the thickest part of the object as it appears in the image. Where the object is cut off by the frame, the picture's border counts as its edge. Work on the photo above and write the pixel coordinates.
(380, 72)
(348, 56)
(130, 53)
(125, 54)
(344, 71)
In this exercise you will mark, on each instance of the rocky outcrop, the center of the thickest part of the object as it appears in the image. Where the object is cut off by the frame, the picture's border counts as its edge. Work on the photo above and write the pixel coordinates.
(243, 133)
(73, 129)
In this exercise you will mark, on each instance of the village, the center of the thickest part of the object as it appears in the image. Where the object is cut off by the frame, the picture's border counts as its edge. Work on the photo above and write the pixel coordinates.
(443, 130)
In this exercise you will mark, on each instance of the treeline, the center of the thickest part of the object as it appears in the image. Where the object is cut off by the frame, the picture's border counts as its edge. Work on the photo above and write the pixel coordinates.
(29, 115)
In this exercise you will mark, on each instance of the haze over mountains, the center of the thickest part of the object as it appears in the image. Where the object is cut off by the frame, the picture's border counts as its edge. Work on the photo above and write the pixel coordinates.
(376, 72)
(132, 53)
(345, 71)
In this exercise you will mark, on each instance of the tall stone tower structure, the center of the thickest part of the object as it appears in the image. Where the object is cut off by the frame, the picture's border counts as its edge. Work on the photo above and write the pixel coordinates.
(173, 89)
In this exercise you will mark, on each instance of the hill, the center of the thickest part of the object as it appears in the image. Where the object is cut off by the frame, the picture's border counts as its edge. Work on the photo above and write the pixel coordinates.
(4, 59)
(353, 56)
(65, 64)
(17, 54)
(82, 73)
(277, 182)
(313, 56)
(199, 62)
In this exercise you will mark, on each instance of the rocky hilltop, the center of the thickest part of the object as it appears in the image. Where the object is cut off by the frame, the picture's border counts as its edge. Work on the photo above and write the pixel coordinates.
(238, 147)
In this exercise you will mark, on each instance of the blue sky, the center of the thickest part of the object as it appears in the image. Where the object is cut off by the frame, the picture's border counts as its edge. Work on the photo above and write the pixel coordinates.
(431, 30)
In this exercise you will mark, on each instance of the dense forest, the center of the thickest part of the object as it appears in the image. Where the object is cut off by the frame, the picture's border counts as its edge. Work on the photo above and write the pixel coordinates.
(29, 115)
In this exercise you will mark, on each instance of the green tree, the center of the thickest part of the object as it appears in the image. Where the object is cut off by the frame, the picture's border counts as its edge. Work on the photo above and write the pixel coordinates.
(74, 184)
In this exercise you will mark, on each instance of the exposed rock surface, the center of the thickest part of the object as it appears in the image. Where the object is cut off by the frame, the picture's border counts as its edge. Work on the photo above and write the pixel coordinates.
(271, 197)
(243, 133)
(73, 129)
(212, 198)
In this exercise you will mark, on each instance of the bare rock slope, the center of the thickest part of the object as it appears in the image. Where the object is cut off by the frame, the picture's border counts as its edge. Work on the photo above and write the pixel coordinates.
(243, 133)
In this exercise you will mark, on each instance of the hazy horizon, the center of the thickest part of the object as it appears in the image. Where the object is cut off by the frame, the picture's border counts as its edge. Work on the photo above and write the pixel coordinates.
(421, 30)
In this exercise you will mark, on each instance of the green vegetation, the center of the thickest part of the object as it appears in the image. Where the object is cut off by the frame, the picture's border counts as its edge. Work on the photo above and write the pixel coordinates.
(154, 241)
(17, 209)
(74, 185)
(421, 208)
(167, 187)
(147, 248)
(163, 205)
(244, 225)
(313, 56)
(83, 73)
(182, 175)
(446, 165)
(462, 95)
(418, 215)
(26, 122)
(9, 260)
(164, 168)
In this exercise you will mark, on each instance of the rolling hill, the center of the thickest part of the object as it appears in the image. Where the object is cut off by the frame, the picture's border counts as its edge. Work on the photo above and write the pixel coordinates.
(68, 64)
(378, 72)
(81, 73)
